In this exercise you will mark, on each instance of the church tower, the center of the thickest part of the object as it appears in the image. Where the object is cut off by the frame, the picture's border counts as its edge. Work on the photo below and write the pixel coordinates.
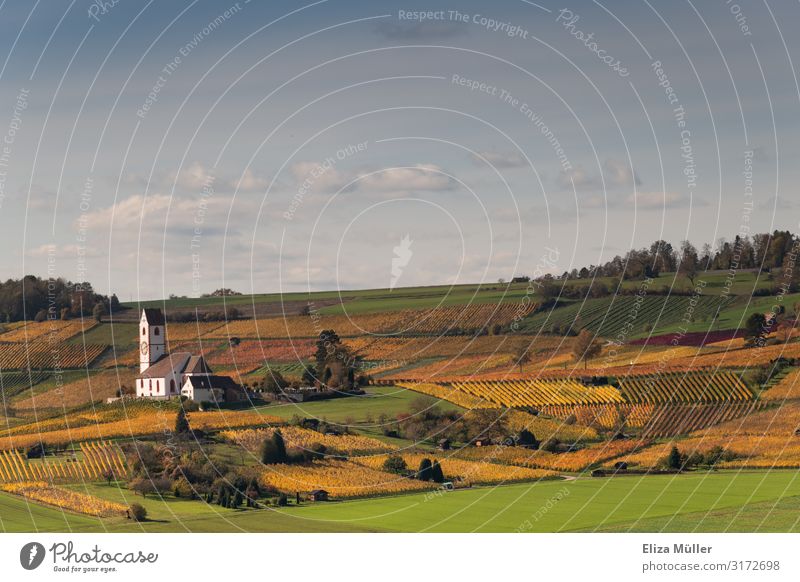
(152, 340)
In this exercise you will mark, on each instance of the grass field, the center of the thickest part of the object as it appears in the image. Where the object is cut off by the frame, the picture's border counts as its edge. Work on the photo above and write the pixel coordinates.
(377, 300)
(167, 515)
(389, 400)
(585, 504)
(747, 501)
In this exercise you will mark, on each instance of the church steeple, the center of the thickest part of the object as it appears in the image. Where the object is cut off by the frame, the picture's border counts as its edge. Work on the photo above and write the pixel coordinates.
(152, 340)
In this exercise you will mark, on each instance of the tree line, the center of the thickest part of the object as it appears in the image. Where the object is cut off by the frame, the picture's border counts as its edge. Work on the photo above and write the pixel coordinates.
(34, 298)
(765, 251)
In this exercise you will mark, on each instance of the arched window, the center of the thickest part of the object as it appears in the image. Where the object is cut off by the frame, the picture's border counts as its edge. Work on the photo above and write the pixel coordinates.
(171, 386)
(155, 331)
(144, 331)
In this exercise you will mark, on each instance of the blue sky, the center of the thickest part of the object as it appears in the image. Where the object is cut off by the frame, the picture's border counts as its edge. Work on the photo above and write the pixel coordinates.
(292, 146)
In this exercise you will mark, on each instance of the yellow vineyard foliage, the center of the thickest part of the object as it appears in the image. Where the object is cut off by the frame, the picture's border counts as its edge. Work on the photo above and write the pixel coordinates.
(301, 438)
(65, 498)
(49, 331)
(99, 458)
(787, 389)
(134, 421)
(573, 461)
(465, 471)
(339, 478)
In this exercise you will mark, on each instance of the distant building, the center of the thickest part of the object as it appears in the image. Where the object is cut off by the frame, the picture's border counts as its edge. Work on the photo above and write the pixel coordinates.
(318, 495)
(163, 375)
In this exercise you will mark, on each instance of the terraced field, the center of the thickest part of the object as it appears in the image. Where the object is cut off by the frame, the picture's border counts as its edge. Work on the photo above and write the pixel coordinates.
(608, 316)
(679, 387)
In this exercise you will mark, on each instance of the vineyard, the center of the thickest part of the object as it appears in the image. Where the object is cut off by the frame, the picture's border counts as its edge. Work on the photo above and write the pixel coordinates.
(91, 387)
(609, 316)
(521, 393)
(12, 383)
(304, 439)
(571, 461)
(684, 387)
(655, 420)
(65, 498)
(52, 332)
(41, 355)
(466, 472)
(449, 393)
(787, 389)
(99, 459)
(123, 419)
(339, 478)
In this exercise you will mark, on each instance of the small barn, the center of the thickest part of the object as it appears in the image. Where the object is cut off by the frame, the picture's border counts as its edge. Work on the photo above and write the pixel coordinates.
(318, 495)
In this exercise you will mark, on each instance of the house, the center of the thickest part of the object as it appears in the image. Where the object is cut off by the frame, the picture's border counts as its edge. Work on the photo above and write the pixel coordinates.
(164, 375)
(211, 388)
(318, 495)
(443, 445)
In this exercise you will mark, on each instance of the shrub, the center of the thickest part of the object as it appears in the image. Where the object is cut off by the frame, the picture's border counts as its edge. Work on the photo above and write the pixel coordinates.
(550, 445)
(395, 464)
(137, 512)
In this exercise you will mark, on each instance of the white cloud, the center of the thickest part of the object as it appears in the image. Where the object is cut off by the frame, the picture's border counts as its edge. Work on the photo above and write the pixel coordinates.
(194, 177)
(656, 200)
(616, 174)
(500, 160)
(318, 178)
(249, 182)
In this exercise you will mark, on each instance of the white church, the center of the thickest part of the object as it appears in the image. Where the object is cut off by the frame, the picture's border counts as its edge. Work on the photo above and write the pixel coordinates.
(163, 375)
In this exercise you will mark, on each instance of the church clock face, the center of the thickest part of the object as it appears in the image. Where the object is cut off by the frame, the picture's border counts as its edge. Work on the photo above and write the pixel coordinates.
(145, 348)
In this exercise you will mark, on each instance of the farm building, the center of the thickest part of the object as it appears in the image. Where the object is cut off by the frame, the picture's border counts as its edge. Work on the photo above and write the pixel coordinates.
(318, 495)
(211, 388)
(163, 375)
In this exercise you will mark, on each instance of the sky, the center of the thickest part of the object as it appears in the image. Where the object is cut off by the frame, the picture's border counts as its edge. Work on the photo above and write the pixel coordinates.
(176, 148)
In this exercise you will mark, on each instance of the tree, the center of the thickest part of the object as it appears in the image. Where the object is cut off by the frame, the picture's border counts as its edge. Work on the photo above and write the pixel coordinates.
(527, 439)
(424, 471)
(437, 475)
(395, 464)
(273, 449)
(309, 378)
(586, 347)
(41, 316)
(326, 346)
(522, 355)
(550, 445)
(137, 512)
(688, 263)
(65, 312)
(98, 311)
(274, 382)
(674, 459)
(754, 329)
(181, 422)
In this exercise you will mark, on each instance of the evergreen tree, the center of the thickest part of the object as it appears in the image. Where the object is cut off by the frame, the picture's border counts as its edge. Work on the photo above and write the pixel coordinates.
(527, 439)
(424, 471)
(280, 446)
(754, 328)
(674, 459)
(273, 449)
(437, 475)
(181, 422)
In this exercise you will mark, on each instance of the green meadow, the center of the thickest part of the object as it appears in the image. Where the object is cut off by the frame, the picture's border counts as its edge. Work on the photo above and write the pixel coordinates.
(701, 502)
